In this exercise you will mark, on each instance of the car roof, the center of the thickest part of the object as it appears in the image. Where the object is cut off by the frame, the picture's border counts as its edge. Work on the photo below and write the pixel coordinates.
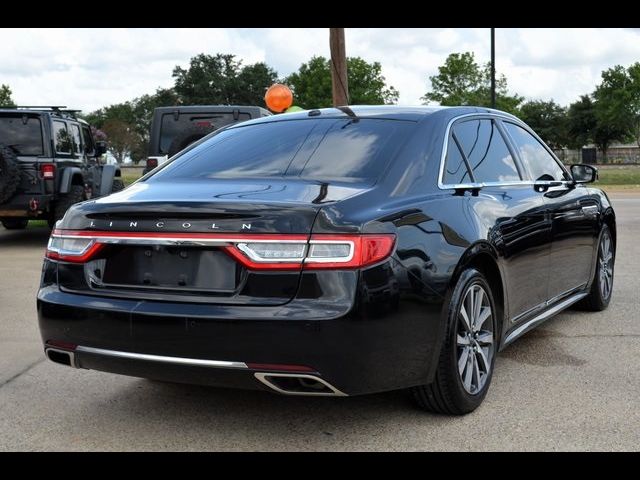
(388, 112)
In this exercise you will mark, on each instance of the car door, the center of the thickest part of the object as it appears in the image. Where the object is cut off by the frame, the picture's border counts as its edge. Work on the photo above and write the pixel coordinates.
(572, 210)
(508, 210)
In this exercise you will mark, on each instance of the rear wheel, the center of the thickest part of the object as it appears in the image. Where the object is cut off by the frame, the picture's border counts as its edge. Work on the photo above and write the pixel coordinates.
(75, 195)
(465, 366)
(602, 285)
(15, 223)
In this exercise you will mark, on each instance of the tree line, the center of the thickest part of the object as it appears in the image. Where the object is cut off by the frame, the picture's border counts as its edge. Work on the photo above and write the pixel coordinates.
(611, 113)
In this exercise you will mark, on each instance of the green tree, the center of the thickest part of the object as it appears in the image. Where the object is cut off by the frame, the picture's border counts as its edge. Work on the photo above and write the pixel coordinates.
(613, 108)
(581, 122)
(121, 138)
(135, 115)
(221, 79)
(462, 81)
(5, 96)
(311, 84)
(548, 119)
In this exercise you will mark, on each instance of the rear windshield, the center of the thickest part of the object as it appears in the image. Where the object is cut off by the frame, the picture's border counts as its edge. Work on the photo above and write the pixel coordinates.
(315, 149)
(22, 134)
(187, 124)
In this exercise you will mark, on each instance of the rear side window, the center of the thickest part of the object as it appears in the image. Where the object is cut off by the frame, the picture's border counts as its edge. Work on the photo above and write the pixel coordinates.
(61, 137)
(189, 123)
(486, 151)
(317, 149)
(537, 160)
(455, 170)
(23, 134)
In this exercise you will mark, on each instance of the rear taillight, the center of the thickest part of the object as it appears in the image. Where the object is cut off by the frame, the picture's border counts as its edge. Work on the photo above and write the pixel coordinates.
(72, 249)
(152, 163)
(48, 171)
(254, 251)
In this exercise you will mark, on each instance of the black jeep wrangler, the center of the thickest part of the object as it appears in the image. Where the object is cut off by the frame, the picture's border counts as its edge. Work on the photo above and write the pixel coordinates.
(48, 162)
(175, 128)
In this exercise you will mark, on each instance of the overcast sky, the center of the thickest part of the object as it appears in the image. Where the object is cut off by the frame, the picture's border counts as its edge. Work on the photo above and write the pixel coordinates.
(88, 69)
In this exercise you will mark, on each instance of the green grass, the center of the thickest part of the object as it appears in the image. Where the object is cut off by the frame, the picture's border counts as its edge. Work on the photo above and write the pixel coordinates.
(37, 224)
(129, 178)
(619, 176)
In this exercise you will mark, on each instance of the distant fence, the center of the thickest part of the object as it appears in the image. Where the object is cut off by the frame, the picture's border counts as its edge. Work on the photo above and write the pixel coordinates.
(615, 155)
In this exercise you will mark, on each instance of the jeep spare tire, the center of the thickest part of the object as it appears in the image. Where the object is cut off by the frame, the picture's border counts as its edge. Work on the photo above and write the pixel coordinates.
(186, 138)
(9, 173)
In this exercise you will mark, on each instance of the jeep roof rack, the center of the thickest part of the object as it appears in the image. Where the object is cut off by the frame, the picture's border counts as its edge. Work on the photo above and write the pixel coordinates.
(60, 110)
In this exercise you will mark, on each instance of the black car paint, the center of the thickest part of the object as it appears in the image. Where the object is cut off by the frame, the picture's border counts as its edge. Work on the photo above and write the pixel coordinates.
(364, 331)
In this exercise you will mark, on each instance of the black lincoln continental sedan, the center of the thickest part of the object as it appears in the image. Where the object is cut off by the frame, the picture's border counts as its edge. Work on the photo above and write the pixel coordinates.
(331, 252)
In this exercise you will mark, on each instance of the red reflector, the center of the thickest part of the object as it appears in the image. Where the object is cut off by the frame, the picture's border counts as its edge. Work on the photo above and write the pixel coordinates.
(280, 368)
(61, 344)
(152, 162)
(47, 170)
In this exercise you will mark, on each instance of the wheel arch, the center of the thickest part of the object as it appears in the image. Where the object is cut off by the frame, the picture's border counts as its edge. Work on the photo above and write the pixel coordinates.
(483, 257)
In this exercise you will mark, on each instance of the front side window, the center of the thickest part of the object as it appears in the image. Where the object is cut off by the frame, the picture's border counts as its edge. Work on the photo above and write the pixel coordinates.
(61, 137)
(486, 151)
(536, 159)
(75, 139)
(87, 140)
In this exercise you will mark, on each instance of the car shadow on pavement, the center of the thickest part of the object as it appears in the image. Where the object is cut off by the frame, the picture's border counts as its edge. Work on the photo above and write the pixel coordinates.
(29, 237)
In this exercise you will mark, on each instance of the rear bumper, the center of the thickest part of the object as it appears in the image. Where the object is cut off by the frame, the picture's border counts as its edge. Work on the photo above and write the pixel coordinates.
(369, 349)
(25, 206)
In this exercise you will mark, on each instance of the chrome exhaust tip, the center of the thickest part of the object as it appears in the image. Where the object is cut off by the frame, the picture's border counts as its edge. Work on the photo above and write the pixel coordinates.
(63, 357)
(298, 384)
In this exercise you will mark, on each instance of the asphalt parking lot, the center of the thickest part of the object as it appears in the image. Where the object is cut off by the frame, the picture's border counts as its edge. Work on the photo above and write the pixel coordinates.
(572, 384)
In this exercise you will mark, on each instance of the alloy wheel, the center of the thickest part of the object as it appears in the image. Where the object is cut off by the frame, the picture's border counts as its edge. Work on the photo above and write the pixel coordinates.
(605, 266)
(474, 339)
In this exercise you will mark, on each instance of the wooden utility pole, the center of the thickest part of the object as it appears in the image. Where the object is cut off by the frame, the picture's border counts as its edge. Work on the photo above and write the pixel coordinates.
(339, 82)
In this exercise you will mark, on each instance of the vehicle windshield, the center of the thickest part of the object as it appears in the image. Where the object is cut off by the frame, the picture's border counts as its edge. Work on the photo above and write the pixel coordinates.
(22, 134)
(351, 150)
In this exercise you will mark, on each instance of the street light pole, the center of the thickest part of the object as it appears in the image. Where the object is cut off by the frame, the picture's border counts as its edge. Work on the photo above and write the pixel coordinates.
(493, 68)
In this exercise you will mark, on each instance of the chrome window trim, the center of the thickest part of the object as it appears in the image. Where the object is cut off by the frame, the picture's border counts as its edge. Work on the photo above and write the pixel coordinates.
(445, 146)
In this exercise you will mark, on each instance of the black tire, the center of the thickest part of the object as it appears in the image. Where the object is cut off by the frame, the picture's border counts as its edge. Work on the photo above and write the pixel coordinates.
(117, 185)
(187, 137)
(9, 173)
(598, 298)
(75, 195)
(447, 393)
(15, 223)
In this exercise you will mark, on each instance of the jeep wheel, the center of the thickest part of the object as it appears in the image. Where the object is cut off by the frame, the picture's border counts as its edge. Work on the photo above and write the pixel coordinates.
(75, 195)
(15, 223)
(187, 137)
(9, 173)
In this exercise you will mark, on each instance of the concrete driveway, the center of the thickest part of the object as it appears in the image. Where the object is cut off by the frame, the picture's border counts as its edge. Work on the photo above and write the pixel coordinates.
(572, 384)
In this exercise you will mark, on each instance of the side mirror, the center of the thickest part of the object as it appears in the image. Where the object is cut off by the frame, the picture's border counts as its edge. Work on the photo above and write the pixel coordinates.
(582, 173)
(101, 148)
